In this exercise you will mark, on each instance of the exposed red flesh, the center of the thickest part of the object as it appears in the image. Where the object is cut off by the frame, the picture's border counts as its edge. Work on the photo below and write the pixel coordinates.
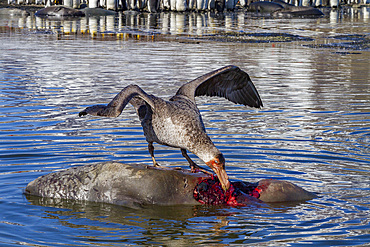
(210, 192)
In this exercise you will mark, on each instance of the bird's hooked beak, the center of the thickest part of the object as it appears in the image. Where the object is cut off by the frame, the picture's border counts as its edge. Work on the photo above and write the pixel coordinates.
(217, 164)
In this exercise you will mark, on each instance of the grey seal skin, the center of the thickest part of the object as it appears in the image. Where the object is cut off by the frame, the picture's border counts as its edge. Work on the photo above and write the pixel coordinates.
(137, 185)
(116, 183)
(272, 190)
(264, 7)
(297, 11)
(59, 11)
(177, 122)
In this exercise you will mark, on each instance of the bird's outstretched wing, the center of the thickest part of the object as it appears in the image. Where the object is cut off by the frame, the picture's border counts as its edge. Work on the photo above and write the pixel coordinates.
(229, 82)
(119, 102)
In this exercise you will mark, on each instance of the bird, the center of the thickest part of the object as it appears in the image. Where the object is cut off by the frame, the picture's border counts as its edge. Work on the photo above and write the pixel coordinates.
(177, 122)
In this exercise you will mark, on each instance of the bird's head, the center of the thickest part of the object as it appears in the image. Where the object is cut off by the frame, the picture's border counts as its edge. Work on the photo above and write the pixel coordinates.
(217, 164)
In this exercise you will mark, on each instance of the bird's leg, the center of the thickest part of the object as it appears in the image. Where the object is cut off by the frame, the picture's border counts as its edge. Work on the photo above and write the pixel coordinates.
(194, 167)
(151, 151)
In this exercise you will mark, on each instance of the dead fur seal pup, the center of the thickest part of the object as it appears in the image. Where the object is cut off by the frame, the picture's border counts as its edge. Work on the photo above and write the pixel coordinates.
(59, 11)
(137, 185)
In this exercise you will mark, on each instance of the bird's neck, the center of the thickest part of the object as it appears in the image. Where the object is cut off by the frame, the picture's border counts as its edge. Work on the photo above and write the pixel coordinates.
(207, 153)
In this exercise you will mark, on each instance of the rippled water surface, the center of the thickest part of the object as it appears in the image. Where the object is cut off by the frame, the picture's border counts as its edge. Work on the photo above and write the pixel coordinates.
(314, 130)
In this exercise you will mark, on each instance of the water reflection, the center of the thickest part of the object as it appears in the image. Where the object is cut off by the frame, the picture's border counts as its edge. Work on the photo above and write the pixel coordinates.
(183, 225)
(134, 24)
(149, 222)
(190, 225)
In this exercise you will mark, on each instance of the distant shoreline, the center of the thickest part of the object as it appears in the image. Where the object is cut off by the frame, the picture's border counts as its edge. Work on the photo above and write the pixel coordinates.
(34, 7)
(30, 7)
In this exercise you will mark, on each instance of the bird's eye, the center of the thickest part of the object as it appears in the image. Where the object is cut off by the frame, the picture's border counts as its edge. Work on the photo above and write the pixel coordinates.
(216, 161)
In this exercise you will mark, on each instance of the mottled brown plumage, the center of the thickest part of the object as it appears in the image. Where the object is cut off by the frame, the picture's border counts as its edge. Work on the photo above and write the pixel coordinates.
(177, 122)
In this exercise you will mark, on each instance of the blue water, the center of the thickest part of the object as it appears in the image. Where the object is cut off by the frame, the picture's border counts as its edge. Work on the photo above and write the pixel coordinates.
(314, 128)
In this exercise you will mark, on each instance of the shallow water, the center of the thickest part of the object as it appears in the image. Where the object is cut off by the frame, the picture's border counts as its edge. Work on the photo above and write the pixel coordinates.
(314, 128)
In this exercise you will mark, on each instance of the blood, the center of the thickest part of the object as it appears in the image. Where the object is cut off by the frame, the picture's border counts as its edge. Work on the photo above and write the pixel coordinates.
(210, 192)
